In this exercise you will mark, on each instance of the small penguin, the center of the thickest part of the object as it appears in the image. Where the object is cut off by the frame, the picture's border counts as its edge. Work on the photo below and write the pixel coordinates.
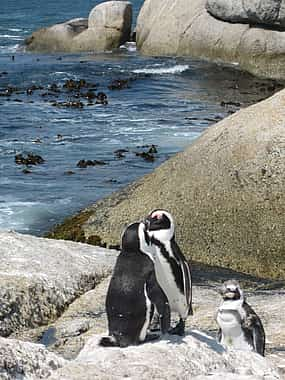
(239, 326)
(171, 268)
(133, 294)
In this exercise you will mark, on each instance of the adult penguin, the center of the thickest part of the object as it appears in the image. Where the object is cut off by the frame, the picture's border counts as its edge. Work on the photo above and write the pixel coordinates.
(133, 293)
(172, 270)
(239, 325)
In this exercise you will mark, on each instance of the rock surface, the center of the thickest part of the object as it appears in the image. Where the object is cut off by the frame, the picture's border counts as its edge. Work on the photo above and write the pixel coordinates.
(226, 192)
(40, 277)
(264, 12)
(76, 329)
(108, 26)
(173, 27)
(170, 358)
(23, 360)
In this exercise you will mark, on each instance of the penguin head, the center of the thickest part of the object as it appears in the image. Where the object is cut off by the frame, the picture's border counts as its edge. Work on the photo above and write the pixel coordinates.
(231, 291)
(130, 238)
(135, 239)
(160, 225)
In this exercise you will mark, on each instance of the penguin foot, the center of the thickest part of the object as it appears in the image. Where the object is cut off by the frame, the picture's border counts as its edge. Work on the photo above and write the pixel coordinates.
(179, 329)
(151, 337)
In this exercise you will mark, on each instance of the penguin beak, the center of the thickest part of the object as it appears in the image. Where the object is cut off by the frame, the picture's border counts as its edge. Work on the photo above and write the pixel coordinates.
(147, 222)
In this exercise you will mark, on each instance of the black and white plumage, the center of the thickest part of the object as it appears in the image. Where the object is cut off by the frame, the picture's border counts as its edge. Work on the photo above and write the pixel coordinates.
(171, 268)
(239, 325)
(133, 293)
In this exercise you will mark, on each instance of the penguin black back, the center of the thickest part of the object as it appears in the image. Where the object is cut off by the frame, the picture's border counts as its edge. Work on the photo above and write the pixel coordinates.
(132, 294)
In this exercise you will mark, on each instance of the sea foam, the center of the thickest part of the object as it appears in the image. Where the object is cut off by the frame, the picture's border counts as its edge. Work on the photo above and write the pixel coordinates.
(177, 69)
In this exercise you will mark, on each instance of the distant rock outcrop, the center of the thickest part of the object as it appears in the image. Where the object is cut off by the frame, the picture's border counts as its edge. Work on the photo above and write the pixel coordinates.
(180, 28)
(108, 26)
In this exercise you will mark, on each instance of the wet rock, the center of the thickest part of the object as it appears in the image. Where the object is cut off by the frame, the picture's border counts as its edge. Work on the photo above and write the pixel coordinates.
(71, 84)
(146, 156)
(149, 155)
(120, 153)
(85, 163)
(29, 159)
(230, 103)
(119, 84)
(101, 98)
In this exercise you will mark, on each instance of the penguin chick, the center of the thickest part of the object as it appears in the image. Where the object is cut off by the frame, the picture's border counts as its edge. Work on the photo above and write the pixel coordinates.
(239, 325)
(171, 268)
(133, 294)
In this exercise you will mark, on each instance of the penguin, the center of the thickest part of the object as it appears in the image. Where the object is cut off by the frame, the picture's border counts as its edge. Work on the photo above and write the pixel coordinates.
(171, 268)
(134, 293)
(239, 325)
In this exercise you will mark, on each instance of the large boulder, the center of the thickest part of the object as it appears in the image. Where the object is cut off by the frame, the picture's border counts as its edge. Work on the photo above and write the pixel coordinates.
(180, 28)
(108, 26)
(226, 192)
(172, 358)
(40, 277)
(24, 360)
(263, 12)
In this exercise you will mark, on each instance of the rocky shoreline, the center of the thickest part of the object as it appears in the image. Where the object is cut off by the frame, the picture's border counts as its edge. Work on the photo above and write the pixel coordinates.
(249, 35)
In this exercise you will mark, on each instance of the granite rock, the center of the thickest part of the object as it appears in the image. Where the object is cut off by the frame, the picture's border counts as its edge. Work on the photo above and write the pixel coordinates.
(108, 26)
(40, 277)
(173, 27)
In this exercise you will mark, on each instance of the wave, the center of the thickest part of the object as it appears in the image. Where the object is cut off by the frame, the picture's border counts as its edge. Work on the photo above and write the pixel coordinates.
(10, 49)
(130, 46)
(177, 69)
(12, 37)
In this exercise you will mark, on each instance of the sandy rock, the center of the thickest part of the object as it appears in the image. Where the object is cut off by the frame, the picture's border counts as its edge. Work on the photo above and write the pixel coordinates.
(172, 27)
(40, 277)
(22, 360)
(226, 193)
(182, 358)
(108, 26)
(264, 12)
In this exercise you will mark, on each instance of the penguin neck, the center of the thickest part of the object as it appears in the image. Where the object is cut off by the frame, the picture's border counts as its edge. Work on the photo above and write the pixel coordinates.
(232, 305)
(144, 242)
(163, 248)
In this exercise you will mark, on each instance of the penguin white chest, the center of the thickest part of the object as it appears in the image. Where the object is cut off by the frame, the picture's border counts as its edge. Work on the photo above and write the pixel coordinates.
(166, 279)
(232, 333)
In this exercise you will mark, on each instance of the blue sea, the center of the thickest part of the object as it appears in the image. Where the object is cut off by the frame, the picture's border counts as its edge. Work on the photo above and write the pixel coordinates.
(167, 102)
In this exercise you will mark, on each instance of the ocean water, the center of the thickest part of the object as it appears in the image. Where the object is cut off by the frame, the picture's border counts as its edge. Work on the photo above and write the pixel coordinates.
(167, 102)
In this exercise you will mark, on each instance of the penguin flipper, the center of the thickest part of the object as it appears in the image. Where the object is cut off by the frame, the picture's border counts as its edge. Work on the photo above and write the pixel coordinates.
(259, 339)
(159, 299)
(253, 323)
(219, 335)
